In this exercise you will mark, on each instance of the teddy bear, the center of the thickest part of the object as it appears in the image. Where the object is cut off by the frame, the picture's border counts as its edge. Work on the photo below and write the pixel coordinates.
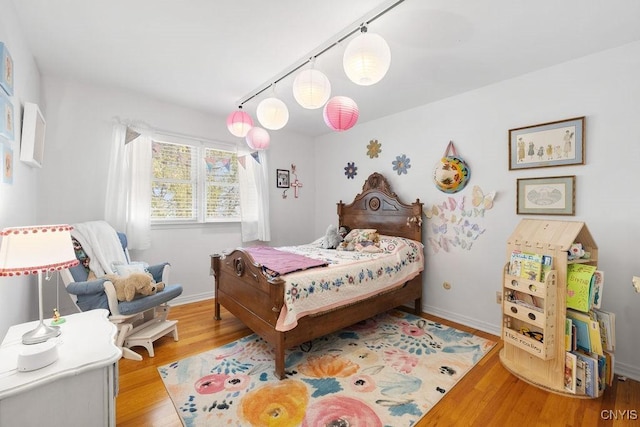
(137, 283)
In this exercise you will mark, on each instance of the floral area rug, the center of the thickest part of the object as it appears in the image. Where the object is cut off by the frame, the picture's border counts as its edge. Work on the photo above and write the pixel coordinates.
(387, 371)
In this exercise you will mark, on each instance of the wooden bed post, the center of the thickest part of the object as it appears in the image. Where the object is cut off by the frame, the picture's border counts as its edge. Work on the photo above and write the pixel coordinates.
(215, 270)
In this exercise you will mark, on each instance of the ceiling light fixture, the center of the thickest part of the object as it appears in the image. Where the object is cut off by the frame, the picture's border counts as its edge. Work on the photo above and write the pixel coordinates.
(272, 113)
(367, 58)
(341, 113)
(258, 138)
(239, 123)
(360, 27)
(311, 88)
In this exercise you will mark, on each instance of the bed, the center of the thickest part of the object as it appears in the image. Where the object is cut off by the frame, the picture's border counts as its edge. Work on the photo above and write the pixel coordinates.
(258, 299)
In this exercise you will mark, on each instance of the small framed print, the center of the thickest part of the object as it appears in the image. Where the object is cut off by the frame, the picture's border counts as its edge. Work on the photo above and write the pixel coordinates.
(6, 72)
(547, 196)
(7, 118)
(558, 143)
(282, 177)
(7, 164)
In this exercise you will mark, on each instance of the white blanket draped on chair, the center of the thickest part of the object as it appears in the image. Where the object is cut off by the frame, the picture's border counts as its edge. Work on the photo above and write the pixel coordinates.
(101, 243)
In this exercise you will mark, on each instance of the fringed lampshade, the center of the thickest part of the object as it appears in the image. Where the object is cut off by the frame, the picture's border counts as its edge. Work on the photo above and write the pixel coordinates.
(341, 113)
(258, 138)
(311, 89)
(366, 59)
(239, 123)
(272, 113)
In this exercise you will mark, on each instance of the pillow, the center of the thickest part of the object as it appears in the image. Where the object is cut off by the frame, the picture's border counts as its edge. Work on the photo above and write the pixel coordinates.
(362, 235)
(126, 269)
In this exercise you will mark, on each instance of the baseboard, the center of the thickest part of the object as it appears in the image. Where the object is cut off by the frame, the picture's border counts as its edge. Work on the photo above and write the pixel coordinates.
(464, 320)
(623, 369)
(192, 298)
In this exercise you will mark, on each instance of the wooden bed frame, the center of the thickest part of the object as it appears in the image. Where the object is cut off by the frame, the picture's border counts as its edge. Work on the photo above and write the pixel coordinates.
(242, 288)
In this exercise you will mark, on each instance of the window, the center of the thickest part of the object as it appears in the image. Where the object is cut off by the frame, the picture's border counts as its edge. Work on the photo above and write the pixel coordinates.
(194, 183)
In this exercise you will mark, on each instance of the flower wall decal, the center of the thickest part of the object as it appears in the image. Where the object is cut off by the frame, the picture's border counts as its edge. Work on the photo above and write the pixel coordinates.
(374, 148)
(351, 170)
(401, 164)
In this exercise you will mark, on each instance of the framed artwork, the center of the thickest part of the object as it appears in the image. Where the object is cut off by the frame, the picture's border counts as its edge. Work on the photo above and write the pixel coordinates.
(547, 196)
(282, 177)
(558, 143)
(6, 72)
(7, 119)
(7, 164)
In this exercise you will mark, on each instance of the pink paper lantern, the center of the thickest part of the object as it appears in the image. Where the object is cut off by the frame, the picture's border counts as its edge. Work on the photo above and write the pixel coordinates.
(258, 138)
(341, 113)
(239, 123)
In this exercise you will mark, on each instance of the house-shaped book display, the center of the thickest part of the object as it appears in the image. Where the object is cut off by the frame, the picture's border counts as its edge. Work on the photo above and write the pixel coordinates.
(536, 347)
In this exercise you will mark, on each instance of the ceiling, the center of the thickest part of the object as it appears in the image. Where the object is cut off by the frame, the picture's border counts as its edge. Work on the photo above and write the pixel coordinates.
(211, 55)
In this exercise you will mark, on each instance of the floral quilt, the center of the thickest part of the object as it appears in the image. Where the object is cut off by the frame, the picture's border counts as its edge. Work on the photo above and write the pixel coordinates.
(349, 276)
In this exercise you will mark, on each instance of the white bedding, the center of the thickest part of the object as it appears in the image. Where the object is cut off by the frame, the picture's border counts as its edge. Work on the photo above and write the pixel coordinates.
(350, 276)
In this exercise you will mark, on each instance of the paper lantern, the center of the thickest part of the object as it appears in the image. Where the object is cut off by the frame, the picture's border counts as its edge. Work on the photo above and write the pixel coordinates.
(366, 59)
(272, 113)
(311, 89)
(239, 123)
(341, 113)
(258, 138)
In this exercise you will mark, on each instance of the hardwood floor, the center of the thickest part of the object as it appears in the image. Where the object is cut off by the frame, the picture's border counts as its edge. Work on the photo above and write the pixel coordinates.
(487, 396)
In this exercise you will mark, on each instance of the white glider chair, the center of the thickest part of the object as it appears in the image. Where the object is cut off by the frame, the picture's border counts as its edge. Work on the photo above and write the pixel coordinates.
(140, 322)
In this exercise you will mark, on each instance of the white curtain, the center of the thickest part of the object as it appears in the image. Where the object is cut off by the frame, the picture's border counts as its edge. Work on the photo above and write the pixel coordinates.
(254, 196)
(128, 200)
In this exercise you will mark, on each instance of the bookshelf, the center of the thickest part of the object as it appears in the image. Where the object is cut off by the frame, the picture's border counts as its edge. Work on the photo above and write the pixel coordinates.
(540, 363)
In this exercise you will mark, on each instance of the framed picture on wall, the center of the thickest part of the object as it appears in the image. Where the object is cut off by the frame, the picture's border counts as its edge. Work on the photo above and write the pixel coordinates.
(547, 196)
(6, 72)
(7, 163)
(282, 177)
(558, 143)
(7, 119)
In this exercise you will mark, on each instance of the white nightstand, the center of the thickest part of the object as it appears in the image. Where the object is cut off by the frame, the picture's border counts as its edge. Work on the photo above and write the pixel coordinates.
(78, 389)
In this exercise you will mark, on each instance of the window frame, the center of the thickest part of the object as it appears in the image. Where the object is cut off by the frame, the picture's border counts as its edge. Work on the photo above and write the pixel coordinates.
(198, 168)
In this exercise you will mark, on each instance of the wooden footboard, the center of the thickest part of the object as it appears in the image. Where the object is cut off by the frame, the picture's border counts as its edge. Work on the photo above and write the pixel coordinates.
(242, 288)
(256, 300)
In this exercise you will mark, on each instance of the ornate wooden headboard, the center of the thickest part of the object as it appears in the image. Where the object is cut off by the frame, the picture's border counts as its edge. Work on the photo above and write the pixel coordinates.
(378, 207)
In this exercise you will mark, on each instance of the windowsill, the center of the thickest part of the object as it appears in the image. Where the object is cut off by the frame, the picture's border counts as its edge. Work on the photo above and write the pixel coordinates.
(189, 225)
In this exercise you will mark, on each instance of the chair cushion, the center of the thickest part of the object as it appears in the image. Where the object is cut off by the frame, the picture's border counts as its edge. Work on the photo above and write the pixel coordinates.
(144, 303)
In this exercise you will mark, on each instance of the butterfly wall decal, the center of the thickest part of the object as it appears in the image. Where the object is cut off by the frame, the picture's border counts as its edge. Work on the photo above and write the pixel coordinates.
(481, 200)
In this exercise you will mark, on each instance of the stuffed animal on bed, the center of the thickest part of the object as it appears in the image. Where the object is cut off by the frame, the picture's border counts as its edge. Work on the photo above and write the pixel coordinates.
(334, 236)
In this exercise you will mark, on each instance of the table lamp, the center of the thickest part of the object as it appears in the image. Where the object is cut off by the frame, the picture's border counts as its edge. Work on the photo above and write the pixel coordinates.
(37, 250)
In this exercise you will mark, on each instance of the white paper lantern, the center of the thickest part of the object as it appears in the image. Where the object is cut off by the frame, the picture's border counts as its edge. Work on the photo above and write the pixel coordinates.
(311, 89)
(366, 59)
(272, 113)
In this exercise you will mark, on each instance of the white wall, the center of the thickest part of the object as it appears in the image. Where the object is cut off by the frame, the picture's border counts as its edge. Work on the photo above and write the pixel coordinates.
(602, 87)
(73, 182)
(19, 200)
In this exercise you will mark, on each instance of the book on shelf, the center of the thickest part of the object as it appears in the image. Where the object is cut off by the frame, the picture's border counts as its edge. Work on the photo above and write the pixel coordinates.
(568, 334)
(531, 266)
(515, 263)
(590, 373)
(581, 322)
(570, 371)
(597, 284)
(579, 278)
(611, 361)
(547, 263)
(607, 322)
(580, 376)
